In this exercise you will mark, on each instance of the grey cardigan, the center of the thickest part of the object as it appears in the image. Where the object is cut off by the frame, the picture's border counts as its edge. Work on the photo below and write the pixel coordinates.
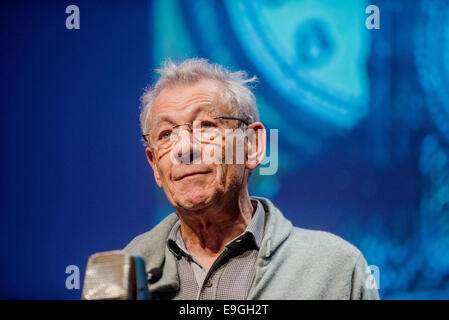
(293, 263)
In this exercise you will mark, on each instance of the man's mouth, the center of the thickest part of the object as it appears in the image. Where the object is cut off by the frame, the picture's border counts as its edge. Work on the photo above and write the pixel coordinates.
(191, 174)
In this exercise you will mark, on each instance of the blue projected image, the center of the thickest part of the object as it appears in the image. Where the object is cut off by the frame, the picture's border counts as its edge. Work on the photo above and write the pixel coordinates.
(362, 114)
(352, 111)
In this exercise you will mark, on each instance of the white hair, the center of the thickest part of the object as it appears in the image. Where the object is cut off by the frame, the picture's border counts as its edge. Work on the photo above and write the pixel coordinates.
(236, 93)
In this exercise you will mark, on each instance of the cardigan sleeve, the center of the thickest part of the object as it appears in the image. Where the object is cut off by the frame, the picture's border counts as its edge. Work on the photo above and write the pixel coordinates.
(365, 281)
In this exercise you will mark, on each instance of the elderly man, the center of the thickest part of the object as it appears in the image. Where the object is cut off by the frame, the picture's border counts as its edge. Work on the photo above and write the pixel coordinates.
(221, 243)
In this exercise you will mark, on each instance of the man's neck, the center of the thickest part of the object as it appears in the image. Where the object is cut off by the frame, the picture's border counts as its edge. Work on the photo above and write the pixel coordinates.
(205, 234)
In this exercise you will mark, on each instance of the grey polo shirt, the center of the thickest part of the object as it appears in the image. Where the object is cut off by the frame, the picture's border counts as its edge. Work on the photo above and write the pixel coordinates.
(232, 273)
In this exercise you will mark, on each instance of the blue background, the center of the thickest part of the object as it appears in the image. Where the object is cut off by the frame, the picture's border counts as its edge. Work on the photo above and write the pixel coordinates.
(363, 119)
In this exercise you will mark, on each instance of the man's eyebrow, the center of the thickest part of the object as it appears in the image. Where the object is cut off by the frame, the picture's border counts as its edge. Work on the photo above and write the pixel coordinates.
(206, 107)
(162, 118)
(203, 107)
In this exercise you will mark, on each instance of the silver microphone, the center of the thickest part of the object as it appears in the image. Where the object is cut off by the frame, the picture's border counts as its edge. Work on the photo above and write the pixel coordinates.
(115, 275)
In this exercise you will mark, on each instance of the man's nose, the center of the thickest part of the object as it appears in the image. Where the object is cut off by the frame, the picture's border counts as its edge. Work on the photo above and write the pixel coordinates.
(187, 149)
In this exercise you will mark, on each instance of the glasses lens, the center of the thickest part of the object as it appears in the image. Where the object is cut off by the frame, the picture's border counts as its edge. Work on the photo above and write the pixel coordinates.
(203, 130)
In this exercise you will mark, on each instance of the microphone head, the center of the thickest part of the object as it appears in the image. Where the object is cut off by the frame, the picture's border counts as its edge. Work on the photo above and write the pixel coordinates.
(110, 275)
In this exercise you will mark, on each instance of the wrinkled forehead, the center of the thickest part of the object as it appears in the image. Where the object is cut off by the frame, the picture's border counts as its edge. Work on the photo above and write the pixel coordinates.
(187, 101)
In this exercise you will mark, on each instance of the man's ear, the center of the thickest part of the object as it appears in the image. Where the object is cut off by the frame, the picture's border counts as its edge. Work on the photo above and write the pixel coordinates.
(153, 165)
(257, 144)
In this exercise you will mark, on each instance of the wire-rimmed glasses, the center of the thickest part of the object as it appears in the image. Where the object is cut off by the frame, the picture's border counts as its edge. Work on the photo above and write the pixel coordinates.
(165, 136)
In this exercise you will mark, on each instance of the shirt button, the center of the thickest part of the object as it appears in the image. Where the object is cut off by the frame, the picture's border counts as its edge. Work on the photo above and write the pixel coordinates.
(208, 284)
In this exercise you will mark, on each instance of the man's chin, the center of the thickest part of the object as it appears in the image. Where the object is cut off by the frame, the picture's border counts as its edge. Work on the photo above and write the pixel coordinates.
(193, 205)
(196, 202)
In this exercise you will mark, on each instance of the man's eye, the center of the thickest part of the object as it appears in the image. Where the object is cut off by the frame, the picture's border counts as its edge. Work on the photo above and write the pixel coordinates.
(165, 135)
(207, 124)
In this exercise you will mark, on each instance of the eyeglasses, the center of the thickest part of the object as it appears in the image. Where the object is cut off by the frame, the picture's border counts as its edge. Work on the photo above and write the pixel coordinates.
(165, 136)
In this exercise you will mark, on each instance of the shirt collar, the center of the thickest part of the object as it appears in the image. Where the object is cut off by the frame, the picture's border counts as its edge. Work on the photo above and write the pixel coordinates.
(256, 225)
(254, 230)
